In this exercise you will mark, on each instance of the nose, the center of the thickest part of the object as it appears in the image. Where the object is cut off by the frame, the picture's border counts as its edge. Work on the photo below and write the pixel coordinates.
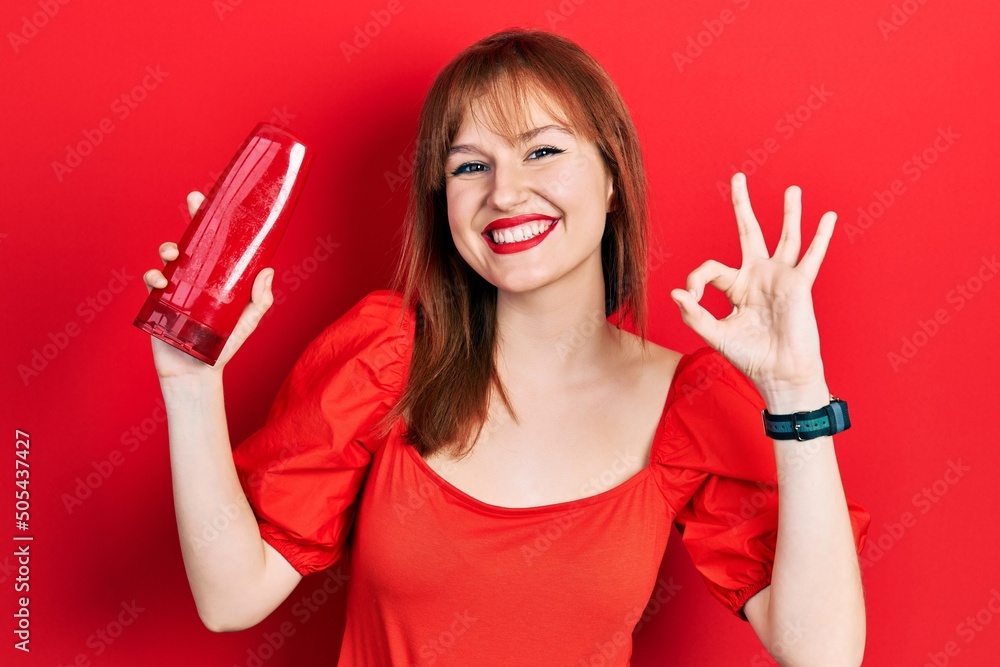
(508, 187)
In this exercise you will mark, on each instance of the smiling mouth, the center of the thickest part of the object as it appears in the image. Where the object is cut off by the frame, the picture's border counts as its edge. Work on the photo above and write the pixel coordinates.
(525, 232)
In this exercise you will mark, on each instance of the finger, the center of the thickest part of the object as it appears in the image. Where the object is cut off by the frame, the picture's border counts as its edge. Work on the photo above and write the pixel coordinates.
(790, 243)
(261, 291)
(194, 200)
(817, 249)
(713, 273)
(168, 251)
(695, 316)
(261, 299)
(154, 279)
(751, 238)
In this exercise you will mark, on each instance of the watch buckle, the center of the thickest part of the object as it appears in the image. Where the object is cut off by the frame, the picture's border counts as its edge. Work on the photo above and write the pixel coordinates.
(795, 424)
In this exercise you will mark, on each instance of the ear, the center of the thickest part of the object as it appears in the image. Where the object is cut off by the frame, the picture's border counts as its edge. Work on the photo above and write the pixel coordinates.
(611, 196)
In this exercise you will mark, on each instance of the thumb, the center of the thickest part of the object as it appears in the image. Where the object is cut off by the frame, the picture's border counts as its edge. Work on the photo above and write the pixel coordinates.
(261, 299)
(695, 316)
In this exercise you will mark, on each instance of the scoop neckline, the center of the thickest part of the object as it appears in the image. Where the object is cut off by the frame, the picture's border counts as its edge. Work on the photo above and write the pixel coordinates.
(564, 505)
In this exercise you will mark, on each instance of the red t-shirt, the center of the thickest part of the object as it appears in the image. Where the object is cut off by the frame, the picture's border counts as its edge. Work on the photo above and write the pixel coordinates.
(439, 577)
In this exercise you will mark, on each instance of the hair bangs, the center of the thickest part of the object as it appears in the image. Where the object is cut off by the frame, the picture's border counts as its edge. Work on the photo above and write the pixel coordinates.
(502, 105)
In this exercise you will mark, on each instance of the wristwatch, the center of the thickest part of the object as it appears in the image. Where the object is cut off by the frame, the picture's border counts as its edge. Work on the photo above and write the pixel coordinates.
(829, 419)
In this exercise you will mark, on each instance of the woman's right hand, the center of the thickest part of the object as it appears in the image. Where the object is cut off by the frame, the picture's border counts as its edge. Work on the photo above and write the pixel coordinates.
(171, 362)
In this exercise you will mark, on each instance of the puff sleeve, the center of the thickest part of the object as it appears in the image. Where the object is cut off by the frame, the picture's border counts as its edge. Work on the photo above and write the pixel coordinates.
(303, 470)
(718, 473)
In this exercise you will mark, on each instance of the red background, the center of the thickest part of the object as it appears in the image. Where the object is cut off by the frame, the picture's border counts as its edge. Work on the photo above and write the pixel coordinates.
(893, 75)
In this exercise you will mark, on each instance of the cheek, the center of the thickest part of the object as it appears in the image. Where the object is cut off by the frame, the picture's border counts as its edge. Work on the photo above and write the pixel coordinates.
(458, 195)
(458, 214)
(461, 215)
(572, 181)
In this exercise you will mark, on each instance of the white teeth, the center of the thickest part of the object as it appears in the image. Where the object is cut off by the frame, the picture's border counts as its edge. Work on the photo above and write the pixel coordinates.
(521, 232)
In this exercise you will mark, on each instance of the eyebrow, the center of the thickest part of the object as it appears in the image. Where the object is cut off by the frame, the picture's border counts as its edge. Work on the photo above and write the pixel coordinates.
(521, 138)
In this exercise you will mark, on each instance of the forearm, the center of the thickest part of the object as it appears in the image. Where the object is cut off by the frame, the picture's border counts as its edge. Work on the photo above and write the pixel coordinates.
(816, 609)
(220, 542)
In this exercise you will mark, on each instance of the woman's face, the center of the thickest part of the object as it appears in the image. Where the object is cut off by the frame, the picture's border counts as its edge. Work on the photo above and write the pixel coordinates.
(556, 178)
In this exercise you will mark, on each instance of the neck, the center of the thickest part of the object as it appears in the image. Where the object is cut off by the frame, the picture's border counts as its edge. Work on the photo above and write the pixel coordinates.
(556, 334)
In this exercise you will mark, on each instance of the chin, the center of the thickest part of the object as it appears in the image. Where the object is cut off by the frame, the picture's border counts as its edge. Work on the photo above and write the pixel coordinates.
(521, 284)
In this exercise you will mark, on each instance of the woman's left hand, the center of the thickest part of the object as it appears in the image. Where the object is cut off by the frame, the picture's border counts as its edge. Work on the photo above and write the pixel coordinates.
(771, 333)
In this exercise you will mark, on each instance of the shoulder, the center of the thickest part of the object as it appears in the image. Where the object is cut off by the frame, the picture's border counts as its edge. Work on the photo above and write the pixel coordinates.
(649, 358)
(698, 373)
(379, 309)
(372, 340)
(707, 375)
(378, 317)
(712, 421)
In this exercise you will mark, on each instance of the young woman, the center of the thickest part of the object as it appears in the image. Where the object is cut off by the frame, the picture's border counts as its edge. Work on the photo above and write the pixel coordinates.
(501, 461)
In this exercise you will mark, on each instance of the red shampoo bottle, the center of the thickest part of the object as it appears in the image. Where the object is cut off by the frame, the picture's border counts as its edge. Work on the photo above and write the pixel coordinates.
(232, 237)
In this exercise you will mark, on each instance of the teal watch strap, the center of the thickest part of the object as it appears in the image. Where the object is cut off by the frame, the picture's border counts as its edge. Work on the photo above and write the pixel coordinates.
(829, 419)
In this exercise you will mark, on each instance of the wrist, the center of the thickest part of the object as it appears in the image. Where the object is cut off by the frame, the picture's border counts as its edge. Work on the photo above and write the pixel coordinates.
(808, 424)
(180, 388)
(799, 398)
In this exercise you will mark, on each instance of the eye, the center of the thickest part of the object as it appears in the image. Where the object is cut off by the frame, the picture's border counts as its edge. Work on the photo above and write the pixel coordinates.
(471, 167)
(461, 168)
(552, 150)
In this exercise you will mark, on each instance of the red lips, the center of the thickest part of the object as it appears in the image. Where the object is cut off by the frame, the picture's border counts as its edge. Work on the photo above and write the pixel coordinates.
(504, 223)
(518, 246)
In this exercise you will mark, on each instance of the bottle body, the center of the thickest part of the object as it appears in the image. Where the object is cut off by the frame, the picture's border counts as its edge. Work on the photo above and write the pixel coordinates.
(233, 235)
